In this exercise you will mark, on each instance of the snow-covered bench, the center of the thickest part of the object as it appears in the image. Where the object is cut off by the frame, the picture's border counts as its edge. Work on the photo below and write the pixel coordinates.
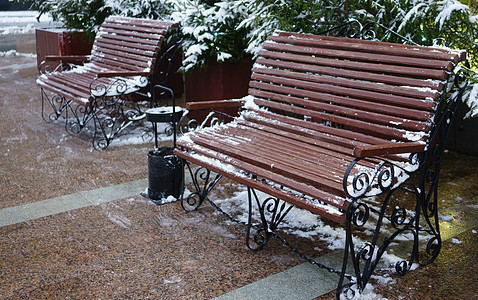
(328, 123)
(105, 85)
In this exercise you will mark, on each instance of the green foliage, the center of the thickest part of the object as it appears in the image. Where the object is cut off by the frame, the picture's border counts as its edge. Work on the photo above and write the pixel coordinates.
(209, 31)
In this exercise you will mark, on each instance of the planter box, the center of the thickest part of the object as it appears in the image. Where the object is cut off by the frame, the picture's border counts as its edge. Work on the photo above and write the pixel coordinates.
(60, 41)
(225, 80)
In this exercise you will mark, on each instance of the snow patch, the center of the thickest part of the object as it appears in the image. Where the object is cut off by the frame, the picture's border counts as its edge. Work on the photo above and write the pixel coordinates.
(445, 218)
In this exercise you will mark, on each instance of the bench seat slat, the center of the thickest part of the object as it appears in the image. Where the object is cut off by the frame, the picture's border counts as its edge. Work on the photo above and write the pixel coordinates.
(240, 137)
(288, 127)
(301, 202)
(358, 66)
(60, 85)
(272, 163)
(335, 160)
(297, 186)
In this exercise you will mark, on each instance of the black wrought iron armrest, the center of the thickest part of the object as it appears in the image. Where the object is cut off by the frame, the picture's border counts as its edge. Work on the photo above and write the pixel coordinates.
(64, 62)
(388, 148)
(215, 104)
(360, 181)
(118, 84)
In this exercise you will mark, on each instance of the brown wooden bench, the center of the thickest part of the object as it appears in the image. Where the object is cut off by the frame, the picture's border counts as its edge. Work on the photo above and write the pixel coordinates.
(329, 122)
(105, 85)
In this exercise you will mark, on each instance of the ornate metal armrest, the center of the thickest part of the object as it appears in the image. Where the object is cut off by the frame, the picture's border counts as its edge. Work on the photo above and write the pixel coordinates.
(117, 84)
(361, 180)
(389, 148)
(65, 62)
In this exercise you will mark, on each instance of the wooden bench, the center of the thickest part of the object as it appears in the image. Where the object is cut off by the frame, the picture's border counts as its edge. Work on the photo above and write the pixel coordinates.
(105, 85)
(329, 122)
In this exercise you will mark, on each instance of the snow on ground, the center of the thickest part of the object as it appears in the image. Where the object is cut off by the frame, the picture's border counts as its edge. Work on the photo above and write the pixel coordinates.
(14, 53)
(22, 22)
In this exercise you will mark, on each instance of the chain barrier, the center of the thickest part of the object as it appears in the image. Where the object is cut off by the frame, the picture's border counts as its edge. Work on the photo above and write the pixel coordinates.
(284, 243)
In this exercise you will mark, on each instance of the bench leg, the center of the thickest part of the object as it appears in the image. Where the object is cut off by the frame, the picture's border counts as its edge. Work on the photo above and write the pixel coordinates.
(365, 258)
(428, 202)
(202, 185)
(271, 211)
(111, 116)
(77, 116)
(56, 104)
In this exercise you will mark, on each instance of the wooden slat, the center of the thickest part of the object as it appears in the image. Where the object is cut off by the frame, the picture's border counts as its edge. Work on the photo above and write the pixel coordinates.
(127, 45)
(344, 111)
(347, 73)
(354, 84)
(460, 54)
(147, 36)
(281, 142)
(397, 100)
(358, 46)
(363, 57)
(272, 163)
(296, 200)
(129, 56)
(261, 90)
(132, 38)
(98, 48)
(366, 128)
(300, 187)
(270, 145)
(356, 65)
(135, 28)
(346, 105)
(333, 138)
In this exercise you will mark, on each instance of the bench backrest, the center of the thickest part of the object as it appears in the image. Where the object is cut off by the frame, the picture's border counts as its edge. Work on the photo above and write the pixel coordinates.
(129, 44)
(371, 92)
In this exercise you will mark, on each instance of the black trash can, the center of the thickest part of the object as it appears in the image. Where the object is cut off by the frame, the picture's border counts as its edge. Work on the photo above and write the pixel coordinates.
(165, 174)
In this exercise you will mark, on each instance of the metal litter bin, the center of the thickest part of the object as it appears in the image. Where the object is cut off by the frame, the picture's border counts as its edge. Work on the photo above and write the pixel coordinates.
(165, 174)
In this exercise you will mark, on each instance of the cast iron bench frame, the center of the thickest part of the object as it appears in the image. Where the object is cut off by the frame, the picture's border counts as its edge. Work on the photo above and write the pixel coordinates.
(128, 58)
(376, 162)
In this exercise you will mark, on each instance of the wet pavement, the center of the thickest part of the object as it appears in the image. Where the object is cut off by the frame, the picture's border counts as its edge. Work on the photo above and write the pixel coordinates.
(78, 227)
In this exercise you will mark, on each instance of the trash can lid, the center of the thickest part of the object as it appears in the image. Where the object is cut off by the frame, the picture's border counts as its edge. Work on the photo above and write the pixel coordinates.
(163, 113)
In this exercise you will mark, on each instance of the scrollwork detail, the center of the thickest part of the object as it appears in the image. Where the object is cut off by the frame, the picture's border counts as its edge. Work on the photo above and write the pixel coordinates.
(359, 183)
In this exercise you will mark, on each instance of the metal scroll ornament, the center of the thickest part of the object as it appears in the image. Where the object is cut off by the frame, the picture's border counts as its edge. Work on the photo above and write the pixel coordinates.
(361, 182)
(271, 211)
(202, 184)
